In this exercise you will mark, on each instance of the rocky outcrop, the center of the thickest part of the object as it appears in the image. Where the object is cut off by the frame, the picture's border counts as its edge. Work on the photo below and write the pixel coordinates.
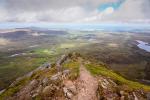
(69, 89)
(43, 85)
(109, 90)
(27, 91)
(60, 75)
(60, 61)
(42, 67)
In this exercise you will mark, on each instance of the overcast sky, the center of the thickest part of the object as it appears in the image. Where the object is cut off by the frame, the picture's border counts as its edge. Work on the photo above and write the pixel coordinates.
(75, 11)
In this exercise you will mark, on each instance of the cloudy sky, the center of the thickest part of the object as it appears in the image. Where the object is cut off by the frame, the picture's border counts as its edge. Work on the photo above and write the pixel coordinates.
(75, 11)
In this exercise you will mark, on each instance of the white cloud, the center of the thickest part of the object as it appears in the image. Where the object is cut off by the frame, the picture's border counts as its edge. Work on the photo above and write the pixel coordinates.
(97, 16)
(67, 14)
(27, 17)
(129, 11)
(3, 15)
(72, 11)
(109, 10)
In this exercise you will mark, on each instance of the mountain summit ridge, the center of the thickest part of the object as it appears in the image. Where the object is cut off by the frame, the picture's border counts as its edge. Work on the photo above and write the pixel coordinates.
(74, 78)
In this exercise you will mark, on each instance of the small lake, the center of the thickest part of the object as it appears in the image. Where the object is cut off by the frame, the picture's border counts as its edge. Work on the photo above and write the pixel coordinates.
(143, 45)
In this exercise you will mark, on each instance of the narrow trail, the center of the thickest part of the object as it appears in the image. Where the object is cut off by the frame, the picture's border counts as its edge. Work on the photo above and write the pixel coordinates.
(87, 85)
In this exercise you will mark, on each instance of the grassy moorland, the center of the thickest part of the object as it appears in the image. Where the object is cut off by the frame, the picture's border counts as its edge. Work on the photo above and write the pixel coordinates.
(102, 70)
(12, 68)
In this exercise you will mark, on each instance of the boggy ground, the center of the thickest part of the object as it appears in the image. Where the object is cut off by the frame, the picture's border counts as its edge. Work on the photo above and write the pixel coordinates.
(73, 78)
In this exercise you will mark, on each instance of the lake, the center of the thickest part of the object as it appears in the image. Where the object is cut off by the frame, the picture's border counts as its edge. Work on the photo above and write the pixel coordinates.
(143, 45)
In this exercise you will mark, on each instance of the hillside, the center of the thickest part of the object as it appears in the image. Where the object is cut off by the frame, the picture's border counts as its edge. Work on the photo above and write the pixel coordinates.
(74, 78)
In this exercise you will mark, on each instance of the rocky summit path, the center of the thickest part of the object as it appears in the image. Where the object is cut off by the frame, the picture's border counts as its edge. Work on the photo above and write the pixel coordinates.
(87, 85)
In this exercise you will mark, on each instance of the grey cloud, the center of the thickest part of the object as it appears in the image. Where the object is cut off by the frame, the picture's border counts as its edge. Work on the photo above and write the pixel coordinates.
(70, 10)
(146, 8)
(33, 5)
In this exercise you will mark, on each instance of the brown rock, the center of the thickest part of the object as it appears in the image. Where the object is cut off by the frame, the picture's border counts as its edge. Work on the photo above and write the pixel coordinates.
(39, 89)
(56, 76)
(45, 81)
(33, 84)
(70, 86)
(67, 93)
(48, 91)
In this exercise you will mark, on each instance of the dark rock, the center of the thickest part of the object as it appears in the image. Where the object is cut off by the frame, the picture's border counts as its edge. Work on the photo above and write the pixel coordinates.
(46, 65)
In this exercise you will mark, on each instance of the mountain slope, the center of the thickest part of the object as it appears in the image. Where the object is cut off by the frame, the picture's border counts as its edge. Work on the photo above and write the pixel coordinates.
(75, 78)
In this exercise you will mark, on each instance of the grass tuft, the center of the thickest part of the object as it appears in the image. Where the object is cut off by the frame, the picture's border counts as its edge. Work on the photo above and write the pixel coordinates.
(74, 67)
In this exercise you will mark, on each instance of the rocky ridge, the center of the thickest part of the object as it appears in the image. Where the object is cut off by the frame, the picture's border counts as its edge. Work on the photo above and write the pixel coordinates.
(70, 79)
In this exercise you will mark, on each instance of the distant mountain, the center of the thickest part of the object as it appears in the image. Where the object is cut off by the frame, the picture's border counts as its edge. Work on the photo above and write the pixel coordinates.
(28, 32)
